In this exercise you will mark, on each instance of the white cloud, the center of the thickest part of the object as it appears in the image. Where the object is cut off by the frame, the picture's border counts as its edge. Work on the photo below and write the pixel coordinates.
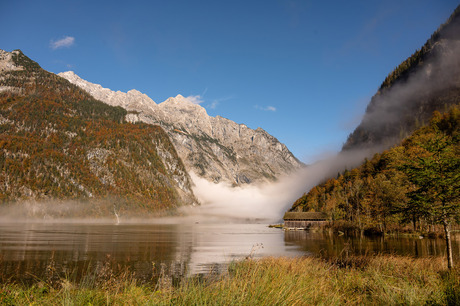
(214, 104)
(195, 99)
(268, 108)
(199, 99)
(217, 102)
(65, 42)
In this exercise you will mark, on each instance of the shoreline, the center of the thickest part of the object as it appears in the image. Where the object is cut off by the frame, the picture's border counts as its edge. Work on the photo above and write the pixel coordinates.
(381, 279)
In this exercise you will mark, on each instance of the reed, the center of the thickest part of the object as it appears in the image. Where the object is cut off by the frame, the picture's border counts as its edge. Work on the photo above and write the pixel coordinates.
(378, 280)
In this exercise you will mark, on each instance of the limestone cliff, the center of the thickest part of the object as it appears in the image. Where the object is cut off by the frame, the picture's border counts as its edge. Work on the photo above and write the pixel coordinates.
(215, 148)
(59, 144)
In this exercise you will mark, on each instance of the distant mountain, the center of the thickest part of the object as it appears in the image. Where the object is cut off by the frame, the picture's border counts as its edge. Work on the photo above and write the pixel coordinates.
(215, 148)
(427, 81)
(59, 143)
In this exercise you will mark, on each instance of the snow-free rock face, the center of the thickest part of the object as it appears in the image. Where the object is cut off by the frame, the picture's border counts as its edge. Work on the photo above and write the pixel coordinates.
(59, 144)
(7, 64)
(131, 99)
(6, 61)
(215, 148)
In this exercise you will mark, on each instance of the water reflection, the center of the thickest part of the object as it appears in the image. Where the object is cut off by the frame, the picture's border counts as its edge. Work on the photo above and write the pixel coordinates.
(29, 251)
(333, 245)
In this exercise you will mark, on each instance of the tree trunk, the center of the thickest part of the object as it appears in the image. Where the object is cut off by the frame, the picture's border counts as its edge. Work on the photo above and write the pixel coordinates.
(450, 263)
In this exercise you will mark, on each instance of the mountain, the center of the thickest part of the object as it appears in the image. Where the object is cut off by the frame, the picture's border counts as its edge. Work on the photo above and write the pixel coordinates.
(415, 182)
(215, 148)
(405, 114)
(427, 81)
(60, 144)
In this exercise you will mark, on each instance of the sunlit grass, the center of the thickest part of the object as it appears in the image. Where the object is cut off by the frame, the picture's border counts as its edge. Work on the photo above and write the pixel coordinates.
(380, 280)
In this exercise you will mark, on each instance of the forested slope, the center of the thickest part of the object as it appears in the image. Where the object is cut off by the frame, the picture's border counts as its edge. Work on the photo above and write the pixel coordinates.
(414, 179)
(427, 81)
(416, 182)
(59, 143)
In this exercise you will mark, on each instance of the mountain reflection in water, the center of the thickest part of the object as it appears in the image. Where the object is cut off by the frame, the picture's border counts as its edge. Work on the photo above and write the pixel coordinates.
(28, 251)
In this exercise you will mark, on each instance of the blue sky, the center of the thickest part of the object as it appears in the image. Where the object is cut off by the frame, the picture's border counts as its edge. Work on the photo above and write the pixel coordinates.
(302, 70)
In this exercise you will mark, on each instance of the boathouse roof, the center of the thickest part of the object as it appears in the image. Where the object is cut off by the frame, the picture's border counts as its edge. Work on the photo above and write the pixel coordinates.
(314, 216)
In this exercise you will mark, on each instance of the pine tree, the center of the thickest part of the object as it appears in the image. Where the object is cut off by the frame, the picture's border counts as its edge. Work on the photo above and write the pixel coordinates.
(434, 170)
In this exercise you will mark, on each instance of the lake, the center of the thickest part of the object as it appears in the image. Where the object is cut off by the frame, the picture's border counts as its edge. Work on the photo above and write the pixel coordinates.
(37, 251)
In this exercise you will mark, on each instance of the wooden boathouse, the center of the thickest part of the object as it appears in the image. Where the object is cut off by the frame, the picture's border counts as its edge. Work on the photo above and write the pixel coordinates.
(303, 220)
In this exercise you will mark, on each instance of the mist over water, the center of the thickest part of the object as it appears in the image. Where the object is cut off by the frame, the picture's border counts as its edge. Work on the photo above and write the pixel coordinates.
(269, 201)
(212, 233)
(219, 202)
(385, 114)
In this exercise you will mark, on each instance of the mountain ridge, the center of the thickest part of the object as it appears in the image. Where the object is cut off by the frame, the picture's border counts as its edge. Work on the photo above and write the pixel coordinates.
(378, 195)
(402, 125)
(215, 148)
(427, 81)
(59, 144)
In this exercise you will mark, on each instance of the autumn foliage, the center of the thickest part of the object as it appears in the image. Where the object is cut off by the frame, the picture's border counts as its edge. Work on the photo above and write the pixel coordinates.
(397, 187)
(57, 142)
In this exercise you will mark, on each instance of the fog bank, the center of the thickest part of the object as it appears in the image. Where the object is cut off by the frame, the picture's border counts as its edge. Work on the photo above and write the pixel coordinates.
(267, 202)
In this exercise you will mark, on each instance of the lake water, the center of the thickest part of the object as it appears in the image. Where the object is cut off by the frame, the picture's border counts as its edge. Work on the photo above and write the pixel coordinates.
(31, 251)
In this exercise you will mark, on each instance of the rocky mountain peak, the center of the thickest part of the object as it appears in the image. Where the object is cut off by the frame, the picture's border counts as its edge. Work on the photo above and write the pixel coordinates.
(6, 61)
(177, 100)
(118, 98)
(180, 101)
(78, 147)
(135, 92)
(215, 148)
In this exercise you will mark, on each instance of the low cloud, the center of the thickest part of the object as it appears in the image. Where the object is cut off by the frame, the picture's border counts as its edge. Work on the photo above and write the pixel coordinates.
(268, 108)
(267, 202)
(427, 87)
(65, 42)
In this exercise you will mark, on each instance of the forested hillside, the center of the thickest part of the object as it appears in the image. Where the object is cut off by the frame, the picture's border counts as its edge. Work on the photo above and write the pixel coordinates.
(59, 143)
(427, 81)
(417, 182)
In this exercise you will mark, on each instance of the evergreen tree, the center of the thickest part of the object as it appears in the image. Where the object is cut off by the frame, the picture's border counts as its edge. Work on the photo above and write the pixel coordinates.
(433, 167)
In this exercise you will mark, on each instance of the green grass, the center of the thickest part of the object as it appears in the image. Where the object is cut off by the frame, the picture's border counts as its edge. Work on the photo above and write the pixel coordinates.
(380, 280)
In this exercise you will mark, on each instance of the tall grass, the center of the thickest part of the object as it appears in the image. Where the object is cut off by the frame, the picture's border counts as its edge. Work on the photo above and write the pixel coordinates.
(379, 280)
